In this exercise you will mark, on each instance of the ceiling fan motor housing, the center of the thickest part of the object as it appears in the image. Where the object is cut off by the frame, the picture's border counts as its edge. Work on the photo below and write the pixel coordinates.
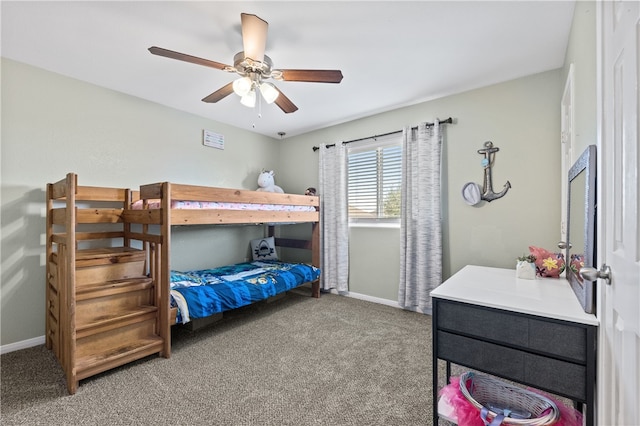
(248, 67)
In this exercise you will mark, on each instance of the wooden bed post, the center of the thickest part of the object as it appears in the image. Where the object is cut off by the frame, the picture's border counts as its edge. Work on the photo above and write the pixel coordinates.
(49, 273)
(67, 319)
(165, 271)
(315, 256)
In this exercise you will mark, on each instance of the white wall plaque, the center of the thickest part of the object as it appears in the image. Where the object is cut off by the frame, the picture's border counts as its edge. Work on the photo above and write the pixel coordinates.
(212, 139)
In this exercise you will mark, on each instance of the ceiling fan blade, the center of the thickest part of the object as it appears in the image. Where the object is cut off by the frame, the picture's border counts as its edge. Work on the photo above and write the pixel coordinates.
(254, 36)
(219, 94)
(285, 103)
(187, 58)
(313, 76)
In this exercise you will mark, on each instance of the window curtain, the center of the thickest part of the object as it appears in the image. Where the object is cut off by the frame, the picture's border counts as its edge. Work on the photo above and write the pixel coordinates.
(334, 218)
(420, 222)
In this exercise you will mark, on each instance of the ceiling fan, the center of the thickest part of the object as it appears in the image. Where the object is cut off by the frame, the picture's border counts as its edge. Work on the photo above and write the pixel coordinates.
(254, 67)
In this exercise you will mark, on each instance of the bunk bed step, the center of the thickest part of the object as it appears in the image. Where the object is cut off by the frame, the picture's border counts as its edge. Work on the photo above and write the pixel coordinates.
(100, 265)
(115, 320)
(112, 288)
(110, 341)
(100, 274)
(106, 255)
(115, 356)
(99, 215)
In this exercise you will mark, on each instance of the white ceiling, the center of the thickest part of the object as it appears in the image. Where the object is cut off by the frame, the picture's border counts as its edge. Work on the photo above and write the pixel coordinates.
(391, 53)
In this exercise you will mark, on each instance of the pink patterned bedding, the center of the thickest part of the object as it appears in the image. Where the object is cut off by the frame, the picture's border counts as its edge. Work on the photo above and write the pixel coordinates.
(198, 205)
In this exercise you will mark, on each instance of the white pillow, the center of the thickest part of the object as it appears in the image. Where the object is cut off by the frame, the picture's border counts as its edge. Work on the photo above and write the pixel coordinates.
(264, 249)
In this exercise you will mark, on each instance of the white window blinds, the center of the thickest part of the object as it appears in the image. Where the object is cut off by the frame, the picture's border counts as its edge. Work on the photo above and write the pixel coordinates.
(375, 179)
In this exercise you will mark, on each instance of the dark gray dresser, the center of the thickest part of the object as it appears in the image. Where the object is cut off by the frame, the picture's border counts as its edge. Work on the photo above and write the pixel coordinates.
(533, 332)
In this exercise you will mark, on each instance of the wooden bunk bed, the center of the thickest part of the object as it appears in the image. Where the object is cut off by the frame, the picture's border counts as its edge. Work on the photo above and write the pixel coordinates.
(162, 206)
(109, 304)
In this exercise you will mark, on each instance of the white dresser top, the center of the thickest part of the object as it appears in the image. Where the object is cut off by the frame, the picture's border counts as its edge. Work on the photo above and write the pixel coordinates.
(499, 288)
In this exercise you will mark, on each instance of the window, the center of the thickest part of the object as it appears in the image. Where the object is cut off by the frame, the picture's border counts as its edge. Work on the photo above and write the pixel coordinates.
(374, 180)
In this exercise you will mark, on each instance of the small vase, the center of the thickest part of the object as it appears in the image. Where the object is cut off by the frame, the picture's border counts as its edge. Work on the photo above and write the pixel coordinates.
(526, 270)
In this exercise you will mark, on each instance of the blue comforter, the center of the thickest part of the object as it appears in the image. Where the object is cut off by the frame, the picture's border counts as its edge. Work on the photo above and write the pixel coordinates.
(202, 293)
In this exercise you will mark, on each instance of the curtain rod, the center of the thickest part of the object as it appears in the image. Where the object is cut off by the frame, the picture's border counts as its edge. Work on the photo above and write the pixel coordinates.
(447, 121)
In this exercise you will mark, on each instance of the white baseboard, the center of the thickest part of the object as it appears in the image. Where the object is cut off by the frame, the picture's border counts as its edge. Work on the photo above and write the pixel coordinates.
(368, 298)
(392, 303)
(373, 299)
(24, 344)
(11, 347)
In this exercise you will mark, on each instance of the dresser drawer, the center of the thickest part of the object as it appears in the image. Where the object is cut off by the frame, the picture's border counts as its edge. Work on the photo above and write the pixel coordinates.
(564, 340)
(488, 357)
(561, 339)
(564, 378)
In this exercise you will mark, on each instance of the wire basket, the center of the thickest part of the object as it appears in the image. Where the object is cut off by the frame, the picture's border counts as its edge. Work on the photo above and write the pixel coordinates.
(495, 398)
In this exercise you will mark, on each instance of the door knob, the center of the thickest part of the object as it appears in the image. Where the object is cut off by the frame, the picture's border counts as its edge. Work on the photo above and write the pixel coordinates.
(592, 274)
(563, 245)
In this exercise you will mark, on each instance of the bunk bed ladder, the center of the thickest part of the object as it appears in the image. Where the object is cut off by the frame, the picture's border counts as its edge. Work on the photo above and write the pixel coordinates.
(102, 295)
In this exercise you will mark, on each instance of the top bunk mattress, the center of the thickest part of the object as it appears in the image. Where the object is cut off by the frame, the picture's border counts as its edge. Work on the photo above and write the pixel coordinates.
(216, 205)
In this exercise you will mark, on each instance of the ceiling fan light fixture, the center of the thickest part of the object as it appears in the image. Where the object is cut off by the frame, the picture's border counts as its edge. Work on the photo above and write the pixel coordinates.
(269, 92)
(249, 100)
(242, 86)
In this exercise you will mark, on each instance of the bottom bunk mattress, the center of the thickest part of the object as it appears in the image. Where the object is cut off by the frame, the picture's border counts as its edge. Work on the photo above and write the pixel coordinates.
(202, 293)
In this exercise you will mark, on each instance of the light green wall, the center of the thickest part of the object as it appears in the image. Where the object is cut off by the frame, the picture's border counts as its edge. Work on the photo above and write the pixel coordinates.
(374, 251)
(581, 52)
(52, 125)
(522, 118)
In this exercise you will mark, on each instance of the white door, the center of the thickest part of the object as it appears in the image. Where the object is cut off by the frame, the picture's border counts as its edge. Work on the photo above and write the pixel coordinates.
(619, 221)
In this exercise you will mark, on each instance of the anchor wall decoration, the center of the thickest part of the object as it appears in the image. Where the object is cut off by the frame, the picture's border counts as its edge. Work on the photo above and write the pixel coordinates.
(471, 191)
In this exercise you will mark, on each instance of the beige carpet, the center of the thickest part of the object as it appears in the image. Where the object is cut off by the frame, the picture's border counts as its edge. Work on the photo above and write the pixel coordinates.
(295, 361)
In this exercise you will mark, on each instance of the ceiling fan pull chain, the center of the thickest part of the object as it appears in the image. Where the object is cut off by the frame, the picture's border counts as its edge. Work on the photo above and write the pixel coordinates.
(259, 102)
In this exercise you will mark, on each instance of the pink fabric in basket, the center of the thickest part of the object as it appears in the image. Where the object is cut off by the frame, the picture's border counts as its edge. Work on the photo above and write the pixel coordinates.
(468, 415)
